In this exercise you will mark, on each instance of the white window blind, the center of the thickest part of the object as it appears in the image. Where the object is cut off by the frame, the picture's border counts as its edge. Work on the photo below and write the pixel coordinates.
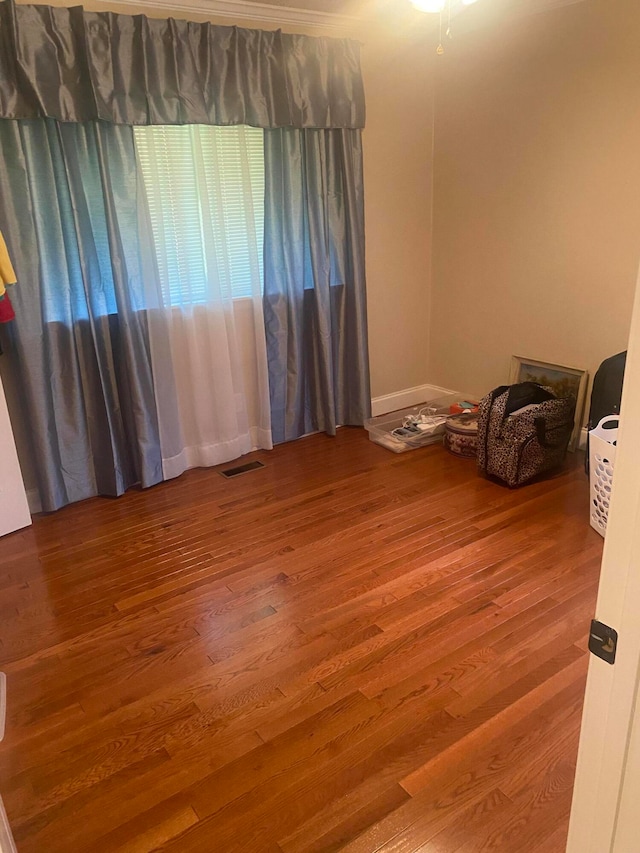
(205, 192)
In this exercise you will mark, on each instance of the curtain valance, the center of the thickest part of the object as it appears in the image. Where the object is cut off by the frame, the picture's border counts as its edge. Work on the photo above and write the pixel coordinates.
(76, 66)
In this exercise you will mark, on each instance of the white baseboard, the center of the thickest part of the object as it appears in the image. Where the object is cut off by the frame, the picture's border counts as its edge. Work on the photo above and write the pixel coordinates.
(407, 397)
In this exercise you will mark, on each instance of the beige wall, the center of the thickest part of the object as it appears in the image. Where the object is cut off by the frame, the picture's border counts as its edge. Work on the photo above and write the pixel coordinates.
(398, 141)
(537, 192)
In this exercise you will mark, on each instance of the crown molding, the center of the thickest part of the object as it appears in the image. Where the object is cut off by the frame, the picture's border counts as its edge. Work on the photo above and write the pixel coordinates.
(246, 10)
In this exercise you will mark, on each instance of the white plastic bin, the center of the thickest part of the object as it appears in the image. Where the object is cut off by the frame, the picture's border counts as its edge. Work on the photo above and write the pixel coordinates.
(381, 427)
(602, 454)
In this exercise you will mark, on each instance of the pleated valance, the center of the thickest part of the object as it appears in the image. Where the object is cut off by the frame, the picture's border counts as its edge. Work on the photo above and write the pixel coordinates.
(75, 65)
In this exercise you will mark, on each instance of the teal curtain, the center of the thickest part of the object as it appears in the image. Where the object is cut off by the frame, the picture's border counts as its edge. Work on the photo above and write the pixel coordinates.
(68, 213)
(75, 65)
(68, 207)
(315, 295)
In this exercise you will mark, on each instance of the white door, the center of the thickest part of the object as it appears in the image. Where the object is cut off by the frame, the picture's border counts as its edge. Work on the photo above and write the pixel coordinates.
(605, 816)
(627, 834)
(14, 509)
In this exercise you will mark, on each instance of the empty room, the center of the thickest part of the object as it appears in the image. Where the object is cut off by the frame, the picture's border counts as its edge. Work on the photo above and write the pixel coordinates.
(319, 387)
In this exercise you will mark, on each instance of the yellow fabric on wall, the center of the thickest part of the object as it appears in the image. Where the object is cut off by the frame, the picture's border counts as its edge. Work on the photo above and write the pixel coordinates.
(7, 273)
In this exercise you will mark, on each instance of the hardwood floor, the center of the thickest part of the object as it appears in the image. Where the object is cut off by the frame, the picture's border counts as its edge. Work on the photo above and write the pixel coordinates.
(346, 650)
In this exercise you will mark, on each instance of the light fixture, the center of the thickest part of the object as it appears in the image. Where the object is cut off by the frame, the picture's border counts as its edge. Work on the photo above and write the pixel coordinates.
(442, 8)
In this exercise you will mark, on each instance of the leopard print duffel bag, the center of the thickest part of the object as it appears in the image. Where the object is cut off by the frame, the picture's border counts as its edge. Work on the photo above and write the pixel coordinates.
(523, 430)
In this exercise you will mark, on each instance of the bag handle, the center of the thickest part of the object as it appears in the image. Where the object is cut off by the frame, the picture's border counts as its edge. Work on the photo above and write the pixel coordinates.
(541, 434)
(493, 396)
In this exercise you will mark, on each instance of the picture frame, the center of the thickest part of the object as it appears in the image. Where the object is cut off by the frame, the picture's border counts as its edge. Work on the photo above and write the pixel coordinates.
(565, 381)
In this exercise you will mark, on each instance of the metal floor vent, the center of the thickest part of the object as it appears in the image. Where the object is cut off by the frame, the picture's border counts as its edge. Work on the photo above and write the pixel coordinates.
(241, 469)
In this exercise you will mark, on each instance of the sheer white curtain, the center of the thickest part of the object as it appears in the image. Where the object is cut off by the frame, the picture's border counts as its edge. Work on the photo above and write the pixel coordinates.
(203, 192)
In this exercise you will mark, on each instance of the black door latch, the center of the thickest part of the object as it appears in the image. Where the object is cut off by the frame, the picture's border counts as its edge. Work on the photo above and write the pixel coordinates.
(603, 641)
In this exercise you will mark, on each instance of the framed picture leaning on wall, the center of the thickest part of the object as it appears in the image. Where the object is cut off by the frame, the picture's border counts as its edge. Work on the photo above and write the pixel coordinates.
(565, 382)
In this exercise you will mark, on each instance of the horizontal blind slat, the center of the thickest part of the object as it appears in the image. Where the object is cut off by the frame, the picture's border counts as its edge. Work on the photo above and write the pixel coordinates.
(205, 191)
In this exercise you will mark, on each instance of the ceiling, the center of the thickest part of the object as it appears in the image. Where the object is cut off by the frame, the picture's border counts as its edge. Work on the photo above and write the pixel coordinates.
(398, 15)
(335, 6)
(315, 5)
(369, 8)
(386, 8)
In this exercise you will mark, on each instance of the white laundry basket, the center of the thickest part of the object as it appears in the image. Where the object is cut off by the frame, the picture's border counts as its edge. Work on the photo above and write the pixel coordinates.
(602, 455)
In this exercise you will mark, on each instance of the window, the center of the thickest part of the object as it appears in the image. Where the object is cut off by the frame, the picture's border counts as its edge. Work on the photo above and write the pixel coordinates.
(205, 192)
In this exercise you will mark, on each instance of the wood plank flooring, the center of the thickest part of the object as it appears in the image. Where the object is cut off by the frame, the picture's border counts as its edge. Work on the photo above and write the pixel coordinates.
(346, 650)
